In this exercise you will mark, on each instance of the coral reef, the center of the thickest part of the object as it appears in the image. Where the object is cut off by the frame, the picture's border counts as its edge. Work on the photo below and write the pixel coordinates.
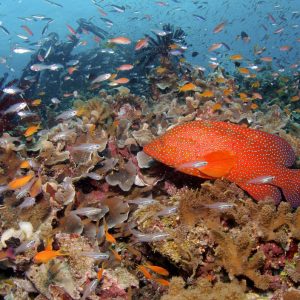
(122, 226)
(243, 238)
(204, 289)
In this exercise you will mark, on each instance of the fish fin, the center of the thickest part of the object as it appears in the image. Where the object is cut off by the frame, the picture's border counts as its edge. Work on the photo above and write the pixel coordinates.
(290, 185)
(49, 242)
(263, 192)
(219, 163)
(62, 253)
(202, 175)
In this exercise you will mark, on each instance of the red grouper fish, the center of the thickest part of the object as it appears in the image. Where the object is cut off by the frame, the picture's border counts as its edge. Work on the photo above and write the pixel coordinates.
(255, 160)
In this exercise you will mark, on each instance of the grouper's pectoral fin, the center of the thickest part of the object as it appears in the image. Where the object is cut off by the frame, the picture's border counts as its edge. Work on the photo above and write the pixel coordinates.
(219, 164)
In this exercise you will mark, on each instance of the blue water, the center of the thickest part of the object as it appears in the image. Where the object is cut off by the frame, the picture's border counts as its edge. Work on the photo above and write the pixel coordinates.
(251, 17)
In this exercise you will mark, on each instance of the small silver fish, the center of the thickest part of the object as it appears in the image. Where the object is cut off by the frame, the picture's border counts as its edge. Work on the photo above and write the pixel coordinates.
(55, 100)
(110, 51)
(143, 201)
(265, 179)
(55, 67)
(12, 90)
(90, 211)
(176, 52)
(62, 135)
(95, 255)
(23, 37)
(171, 210)
(21, 50)
(28, 202)
(24, 247)
(118, 8)
(160, 32)
(39, 67)
(27, 114)
(86, 147)
(38, 17)
(91, 286)
(48, 52)
(101, 78)
(68, 114)
(15, 108)
(94, 176)
(149, 237)
(192, 164)
(3, 188)
(73, 62)
(219, 205)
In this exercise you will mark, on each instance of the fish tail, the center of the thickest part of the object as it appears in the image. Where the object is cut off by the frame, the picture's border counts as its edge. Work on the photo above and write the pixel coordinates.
(63, 253)
(289, 182)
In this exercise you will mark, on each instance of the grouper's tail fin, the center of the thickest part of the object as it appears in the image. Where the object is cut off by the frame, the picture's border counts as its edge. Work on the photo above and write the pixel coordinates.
(289, 182)
(286, 182)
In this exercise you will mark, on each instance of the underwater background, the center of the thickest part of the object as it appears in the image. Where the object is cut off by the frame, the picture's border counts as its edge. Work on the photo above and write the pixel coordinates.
(149, 149)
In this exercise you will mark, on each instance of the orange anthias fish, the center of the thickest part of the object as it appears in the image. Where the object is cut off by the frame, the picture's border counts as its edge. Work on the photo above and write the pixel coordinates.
(145, 272)
(121, 40)
(219, 27)
(20, 181)
(162, 281)
(71, 70)
(215, 46)
(108, 236)
(31, 130)
(27, 29)
(244, 70)
(36, 102)
(187, 87)
(266, 58)
(25, 164)
(125, 67)
(207, 93)
(122, 80)
(143, 43)
(158, 270)
(255, 160)
(46, 255)
(236, 57)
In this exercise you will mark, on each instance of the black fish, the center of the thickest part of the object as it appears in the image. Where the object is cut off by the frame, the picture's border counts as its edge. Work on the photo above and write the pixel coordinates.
(4, 29)
(45, 29)
(195, 53)
(244, 35)
(226, 46)
(237, 64)
(54, 3)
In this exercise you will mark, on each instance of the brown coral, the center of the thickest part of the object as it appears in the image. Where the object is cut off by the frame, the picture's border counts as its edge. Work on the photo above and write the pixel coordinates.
(94, 110)
(210, 238)
(203, 289)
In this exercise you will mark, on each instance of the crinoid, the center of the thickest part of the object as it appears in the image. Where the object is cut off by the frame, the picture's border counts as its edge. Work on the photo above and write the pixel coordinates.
(160, 47)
